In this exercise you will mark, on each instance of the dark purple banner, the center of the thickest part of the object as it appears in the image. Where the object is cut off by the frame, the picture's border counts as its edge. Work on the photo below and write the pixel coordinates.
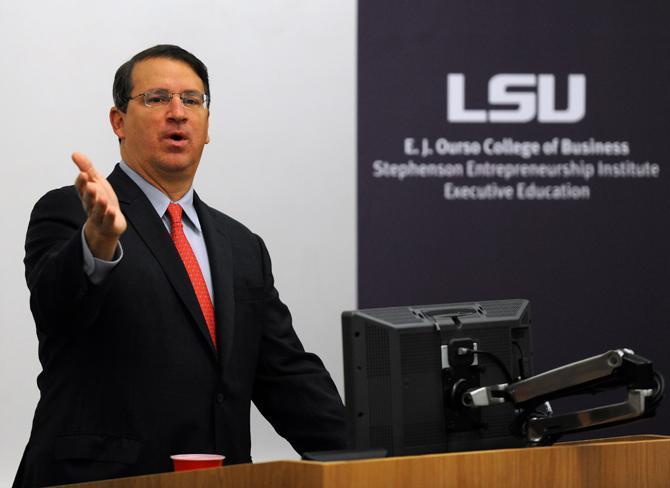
(520, 150)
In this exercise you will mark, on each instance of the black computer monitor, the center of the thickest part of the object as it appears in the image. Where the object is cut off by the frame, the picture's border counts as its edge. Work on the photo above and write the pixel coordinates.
(406, 369)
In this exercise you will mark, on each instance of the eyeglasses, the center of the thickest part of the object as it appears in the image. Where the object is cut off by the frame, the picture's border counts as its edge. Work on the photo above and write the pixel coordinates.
(161, 97)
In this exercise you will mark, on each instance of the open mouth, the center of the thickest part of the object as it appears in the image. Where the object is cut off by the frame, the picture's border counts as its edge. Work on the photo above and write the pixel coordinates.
(176, 138)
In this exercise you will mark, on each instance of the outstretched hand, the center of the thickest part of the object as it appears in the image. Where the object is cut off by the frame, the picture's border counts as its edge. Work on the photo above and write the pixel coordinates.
(105, 222)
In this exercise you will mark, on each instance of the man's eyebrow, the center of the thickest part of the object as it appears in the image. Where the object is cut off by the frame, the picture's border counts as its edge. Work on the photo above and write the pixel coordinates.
(190, 90)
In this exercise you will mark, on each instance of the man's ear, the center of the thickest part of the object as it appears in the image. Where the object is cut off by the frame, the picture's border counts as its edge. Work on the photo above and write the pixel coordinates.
(116, 118)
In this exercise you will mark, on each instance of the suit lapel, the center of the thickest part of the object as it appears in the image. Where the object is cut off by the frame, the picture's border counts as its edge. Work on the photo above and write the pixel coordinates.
(220, 256)
(149, 227)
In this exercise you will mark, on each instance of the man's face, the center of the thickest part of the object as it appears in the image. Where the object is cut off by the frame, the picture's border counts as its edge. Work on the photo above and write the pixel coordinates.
(162, 143)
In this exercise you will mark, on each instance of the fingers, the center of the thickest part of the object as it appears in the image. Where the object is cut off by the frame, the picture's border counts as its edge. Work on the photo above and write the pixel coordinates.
(88, 193)
(106, 218)
(96, 204)
(109, 218)
(98, 209)
(88, 174)
(80, 182)
(84, 164)
(91, 191)
(100, 203)
(82, 161)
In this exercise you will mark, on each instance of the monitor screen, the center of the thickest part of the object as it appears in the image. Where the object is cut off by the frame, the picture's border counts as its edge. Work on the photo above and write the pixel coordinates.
(406, 369)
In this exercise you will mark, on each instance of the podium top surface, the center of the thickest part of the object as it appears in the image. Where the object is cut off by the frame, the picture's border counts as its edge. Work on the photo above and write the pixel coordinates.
(640, 461)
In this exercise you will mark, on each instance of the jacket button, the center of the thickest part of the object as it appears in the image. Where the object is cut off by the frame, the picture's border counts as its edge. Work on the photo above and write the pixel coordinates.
(219, 398)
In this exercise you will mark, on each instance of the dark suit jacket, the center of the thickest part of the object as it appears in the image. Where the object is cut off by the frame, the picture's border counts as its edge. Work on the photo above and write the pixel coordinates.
(130, 375)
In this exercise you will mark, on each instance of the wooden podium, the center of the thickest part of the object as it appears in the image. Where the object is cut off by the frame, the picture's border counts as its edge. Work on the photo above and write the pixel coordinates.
(635, 462)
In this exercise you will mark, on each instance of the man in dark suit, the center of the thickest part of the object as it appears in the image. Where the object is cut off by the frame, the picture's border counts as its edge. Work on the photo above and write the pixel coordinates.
(157, 317)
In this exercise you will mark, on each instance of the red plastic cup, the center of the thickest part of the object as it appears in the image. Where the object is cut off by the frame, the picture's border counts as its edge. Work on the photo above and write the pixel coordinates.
(185, 462)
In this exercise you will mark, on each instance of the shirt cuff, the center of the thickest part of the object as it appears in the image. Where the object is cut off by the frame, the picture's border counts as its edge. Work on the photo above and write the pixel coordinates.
(98, 269)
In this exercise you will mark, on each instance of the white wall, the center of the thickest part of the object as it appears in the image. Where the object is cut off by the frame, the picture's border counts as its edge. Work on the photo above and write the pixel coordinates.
(282, 156)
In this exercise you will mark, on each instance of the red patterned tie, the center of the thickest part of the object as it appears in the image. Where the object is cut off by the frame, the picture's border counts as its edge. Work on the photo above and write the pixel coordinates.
(192, 267)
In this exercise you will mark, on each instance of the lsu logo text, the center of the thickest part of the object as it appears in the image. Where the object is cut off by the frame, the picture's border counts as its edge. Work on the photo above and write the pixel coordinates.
(528, 96)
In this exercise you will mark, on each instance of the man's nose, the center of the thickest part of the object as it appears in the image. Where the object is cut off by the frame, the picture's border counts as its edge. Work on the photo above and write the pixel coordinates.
(176, 109)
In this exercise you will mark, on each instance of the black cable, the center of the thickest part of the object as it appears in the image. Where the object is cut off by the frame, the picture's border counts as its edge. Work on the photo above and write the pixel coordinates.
(522, 372)
(658, 394)
(498, 362)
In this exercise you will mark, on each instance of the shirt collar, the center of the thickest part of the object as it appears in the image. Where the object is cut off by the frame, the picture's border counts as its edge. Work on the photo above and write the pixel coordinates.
(160, 200)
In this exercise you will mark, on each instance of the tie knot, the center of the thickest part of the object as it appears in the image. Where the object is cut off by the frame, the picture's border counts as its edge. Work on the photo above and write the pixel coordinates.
(174, 210)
